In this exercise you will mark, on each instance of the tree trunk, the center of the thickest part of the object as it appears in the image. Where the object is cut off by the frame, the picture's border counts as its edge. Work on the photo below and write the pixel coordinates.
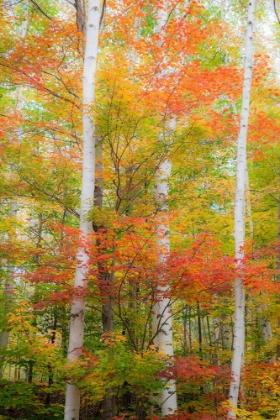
(162, 318)
(50, 381)
(225, 332)
(162, 311)
(72, 403)
(238, 341)
(107, 405)
(199, 329)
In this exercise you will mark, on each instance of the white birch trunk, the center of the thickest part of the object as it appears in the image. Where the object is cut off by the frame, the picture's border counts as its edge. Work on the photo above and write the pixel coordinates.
(186, 5)
(238, 342)
(134, 59)
(265, 325)
(248, 205)
(72, 403)
(225, 332)
(162, 318)
(162, 311)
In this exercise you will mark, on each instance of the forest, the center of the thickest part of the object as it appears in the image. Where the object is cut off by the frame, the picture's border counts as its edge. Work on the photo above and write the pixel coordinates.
(140, 209)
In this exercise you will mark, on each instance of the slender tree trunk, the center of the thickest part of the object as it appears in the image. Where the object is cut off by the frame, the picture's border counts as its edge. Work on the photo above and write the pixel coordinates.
(107, 405)
(72, 403)
(162, 316)
(263, 323)
(133, 54)
(225, 333)
(238, 343)
(50, 381)
(248, 206)
(186, 330)
(199, 329)
(104, 276)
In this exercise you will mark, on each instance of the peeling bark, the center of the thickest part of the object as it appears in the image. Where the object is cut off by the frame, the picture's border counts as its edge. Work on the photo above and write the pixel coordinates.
(239, 222)
(72, 403)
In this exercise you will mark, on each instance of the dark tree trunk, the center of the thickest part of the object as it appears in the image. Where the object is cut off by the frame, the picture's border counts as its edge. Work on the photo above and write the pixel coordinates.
(105, 278)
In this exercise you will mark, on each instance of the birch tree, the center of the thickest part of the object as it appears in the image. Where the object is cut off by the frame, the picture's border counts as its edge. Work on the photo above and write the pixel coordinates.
(72, 403)
(239, 234)
(162, 317)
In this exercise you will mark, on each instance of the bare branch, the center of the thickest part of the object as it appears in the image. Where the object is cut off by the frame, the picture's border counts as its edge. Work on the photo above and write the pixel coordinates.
(102, 13)
(41, 10)
(275, 10)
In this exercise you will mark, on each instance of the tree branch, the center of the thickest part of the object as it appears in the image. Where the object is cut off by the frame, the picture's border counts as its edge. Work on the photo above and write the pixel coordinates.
(102, 13)
(275, 10)
(41, 10)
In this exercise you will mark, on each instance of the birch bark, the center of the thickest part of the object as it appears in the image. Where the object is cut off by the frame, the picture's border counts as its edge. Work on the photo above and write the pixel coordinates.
(238, 341)
(72, 402)
(162, 316)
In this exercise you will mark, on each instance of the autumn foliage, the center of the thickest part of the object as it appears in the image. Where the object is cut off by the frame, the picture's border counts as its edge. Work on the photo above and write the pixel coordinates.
(195, 78)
